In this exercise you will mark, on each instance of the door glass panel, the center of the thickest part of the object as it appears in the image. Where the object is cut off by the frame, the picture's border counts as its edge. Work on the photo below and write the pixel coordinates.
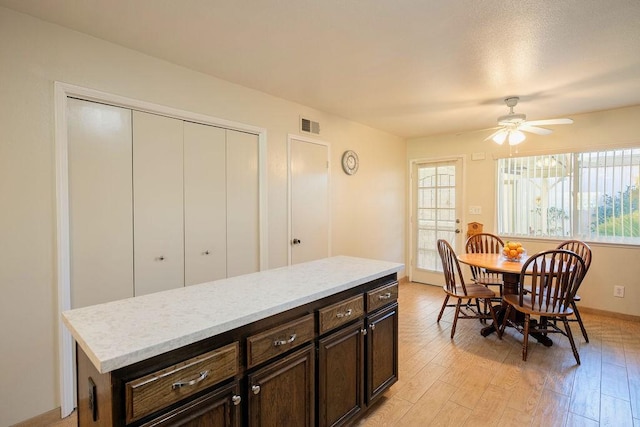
(436, 212)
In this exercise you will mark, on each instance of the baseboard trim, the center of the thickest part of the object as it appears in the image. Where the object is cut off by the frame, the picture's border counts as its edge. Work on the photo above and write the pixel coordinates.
(50, 418)
(613, 314)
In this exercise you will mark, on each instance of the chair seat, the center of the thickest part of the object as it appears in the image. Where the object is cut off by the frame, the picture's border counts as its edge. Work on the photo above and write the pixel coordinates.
(544, 310)
(473, 291)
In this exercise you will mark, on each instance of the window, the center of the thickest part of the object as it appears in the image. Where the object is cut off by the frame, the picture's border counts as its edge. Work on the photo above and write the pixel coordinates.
(591, 196)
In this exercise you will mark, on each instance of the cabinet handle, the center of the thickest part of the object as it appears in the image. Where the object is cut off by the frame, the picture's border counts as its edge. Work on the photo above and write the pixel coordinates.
(291, 339)
(236, 399)
(160, 258)
(207, 252)
(373, 326)
(363, 331)
(194, 381)
(345, 314)
(255, 389)
(385, 296)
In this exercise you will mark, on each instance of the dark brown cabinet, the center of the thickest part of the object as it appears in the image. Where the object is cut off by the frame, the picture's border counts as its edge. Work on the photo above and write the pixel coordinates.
(282, 393)
(382, 351)
(219, 408)
(320, 364)
(341, 375)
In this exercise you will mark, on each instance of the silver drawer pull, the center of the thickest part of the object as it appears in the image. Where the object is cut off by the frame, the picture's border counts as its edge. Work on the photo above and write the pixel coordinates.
(291, 339)
(385, 296)
(255, 389)
(195, 381)
(345, 314)
(236, 400)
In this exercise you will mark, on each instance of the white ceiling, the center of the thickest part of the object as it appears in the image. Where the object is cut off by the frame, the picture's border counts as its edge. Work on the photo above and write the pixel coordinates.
(409, 67)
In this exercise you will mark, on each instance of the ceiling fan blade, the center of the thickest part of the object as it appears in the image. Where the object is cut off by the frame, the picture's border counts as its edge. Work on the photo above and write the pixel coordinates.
(533, 129)
(550, 122)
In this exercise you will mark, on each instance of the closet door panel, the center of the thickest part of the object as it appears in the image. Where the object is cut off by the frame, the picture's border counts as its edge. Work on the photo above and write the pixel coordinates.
(100, 202)
(205, 210)
(158, 203)
(243, 242)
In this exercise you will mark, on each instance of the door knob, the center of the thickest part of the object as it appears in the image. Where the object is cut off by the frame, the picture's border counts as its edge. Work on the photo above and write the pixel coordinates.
(296, 241)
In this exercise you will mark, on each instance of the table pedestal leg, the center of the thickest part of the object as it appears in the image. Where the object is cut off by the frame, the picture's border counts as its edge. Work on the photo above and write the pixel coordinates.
(511, 287)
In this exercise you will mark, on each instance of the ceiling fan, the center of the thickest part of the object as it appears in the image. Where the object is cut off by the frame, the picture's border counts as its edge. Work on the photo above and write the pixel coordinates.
(512, 125)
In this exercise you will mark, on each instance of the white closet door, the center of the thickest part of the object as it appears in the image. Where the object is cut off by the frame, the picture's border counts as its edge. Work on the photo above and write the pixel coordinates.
(100, 202)
(158, 203)
(309, 174)
(205, 210)
(243, 237)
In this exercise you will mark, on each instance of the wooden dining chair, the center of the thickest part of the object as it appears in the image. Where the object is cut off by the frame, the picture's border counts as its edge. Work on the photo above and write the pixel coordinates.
(485, 243)
(551, 279)
(582, 249)
(456, 287)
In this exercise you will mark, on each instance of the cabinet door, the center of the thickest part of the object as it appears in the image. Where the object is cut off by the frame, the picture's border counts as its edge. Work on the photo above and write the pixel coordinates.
(243, 231)
(220, 408)
(157, 203)
(341, 375)
(382, 351)
(100, 202)
(205, 210)
(282, 393)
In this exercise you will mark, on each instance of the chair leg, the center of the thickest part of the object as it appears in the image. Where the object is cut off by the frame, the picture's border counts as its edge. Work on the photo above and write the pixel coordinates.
(579, 319)
(570, 336)
(504, 320)
(493, 316)
(444, 305)
(525, 343)
(455, 318)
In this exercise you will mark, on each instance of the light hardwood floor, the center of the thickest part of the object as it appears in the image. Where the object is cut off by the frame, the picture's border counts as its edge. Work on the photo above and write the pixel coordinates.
(477, 381)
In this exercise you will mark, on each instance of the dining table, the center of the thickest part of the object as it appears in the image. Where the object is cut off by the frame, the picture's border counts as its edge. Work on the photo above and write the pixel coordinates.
(510, 271)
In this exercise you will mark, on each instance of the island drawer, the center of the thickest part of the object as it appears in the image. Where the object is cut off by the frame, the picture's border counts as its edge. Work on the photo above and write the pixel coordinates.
(265, 345)
(341, 313)
(382, 296)
(155, 391)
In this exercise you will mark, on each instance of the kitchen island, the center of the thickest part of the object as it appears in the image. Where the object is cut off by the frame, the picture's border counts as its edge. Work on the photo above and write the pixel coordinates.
(270, 347)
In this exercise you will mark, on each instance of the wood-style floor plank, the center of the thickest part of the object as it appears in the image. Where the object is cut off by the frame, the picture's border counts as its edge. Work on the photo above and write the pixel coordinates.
(482, 381)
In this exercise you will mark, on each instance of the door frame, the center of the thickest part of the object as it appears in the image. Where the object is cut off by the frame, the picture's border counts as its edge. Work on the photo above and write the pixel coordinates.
(308, 140)
(412, 202)
(62, 91)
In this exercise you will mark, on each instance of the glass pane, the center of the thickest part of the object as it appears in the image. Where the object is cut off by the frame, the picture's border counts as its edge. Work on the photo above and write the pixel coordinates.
(435, 212)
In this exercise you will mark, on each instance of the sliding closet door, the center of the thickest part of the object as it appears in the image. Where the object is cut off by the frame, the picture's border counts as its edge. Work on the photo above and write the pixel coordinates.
(100, 202)
(205, 208)
(243, 237)
(158, 203)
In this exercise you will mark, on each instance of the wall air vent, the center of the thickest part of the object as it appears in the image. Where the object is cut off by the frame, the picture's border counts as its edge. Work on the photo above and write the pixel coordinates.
(309, 126)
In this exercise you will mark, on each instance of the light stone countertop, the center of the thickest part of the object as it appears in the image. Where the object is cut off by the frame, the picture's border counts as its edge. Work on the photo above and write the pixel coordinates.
(117, 334)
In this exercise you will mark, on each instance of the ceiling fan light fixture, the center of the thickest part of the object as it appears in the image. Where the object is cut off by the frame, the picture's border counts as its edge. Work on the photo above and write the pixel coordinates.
(516, 137)
(500, 137)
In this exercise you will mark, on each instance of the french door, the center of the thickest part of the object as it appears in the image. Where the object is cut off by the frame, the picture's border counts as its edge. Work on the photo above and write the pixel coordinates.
(435, 214)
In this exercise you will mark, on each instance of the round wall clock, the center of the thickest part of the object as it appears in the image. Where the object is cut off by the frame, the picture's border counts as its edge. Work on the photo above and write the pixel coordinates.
(350, 162)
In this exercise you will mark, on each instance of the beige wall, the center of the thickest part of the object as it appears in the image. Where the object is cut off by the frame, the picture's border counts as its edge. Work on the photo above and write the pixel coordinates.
(368, 209)
(612, 265)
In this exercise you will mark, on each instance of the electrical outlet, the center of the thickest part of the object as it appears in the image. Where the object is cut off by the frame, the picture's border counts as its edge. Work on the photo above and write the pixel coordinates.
(618, 291)
(475, 210)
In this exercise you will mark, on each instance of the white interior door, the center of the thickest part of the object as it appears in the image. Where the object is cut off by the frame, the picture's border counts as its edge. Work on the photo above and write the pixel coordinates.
(205, 206)
(435, 214)
(158, 218)
(243, 199)
(100, 202)
(309, 183)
